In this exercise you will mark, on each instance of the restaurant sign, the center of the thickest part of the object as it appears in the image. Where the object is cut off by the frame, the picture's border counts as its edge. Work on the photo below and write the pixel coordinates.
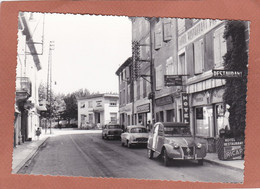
(172, 80)
(185, 107)
(233, 148)
(225, 74)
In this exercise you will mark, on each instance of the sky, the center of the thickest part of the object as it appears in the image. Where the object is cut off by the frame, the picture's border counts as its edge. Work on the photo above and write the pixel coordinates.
(88, 51)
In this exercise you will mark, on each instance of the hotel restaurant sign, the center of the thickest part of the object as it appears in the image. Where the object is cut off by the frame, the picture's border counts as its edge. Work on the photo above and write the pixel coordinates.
(199, 29)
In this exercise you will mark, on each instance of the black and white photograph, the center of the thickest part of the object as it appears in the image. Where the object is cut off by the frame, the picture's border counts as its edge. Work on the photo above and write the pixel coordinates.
(151, 98)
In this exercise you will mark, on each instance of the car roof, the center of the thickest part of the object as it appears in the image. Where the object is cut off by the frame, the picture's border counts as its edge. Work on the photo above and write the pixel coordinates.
(135, 126)
(174, 124)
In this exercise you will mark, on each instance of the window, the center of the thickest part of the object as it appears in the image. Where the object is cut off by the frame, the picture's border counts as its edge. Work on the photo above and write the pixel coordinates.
(113, 117)
(159, 77)
(220, 47)
(82, 118)
(90, 118)
(99, 103)
(120, 98)
(113, 103)
(199, 56)
(82, 105)
(90, 104)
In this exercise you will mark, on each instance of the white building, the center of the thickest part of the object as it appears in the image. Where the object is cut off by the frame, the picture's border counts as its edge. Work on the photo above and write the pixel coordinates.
(98, 110)
(27, 109)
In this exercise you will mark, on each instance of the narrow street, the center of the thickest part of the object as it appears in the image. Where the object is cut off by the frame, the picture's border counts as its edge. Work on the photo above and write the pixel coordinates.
(88, 155)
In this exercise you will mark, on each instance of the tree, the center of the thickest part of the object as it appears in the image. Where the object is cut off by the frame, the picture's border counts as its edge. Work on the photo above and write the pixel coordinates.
(236, 59)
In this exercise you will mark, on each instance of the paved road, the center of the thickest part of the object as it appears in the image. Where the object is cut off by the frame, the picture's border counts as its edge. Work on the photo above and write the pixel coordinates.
(88, 155)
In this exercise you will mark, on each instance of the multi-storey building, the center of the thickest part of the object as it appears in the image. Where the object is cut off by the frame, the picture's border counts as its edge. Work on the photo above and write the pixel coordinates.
(97, 110)
(188, 50)
(27, 108)
(201, 47)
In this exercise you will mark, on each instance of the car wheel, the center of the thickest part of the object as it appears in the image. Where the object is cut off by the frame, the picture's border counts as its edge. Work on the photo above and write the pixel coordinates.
(106, 137)
(122, 143)
(166, 160)
(200, 161)
(102, 137)
(129, 144)
(150, 153)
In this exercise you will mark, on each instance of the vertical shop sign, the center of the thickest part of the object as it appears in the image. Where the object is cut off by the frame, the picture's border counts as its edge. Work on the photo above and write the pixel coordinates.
(185, 106)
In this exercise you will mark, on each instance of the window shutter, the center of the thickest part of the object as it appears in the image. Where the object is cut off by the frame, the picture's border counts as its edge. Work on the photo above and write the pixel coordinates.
(169, 66)
(158, 37)
(199, 56)
(167, 29)
(217, 49)
(159, 77)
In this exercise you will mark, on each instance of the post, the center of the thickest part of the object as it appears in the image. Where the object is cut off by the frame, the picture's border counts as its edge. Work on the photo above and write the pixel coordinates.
(151, 70)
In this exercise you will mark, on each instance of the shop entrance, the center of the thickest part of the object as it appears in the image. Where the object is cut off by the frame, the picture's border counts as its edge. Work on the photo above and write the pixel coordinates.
(204, 121)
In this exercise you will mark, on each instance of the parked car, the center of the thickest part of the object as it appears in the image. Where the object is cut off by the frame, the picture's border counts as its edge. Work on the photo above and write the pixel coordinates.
(134, 135)
(173, 141)
(111, 131)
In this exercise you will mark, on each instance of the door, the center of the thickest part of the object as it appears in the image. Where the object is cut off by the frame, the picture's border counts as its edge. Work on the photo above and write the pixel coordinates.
(160, 138)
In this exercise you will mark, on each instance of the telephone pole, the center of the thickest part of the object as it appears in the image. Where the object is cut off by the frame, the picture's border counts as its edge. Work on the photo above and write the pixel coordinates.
(49, 82)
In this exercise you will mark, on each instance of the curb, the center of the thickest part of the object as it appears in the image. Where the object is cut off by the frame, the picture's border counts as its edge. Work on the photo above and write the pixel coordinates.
(223, 165)
(18, 167)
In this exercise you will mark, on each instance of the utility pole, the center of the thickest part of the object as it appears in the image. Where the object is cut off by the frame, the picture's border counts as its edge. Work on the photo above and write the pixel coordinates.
(49, 82)
(152, 71)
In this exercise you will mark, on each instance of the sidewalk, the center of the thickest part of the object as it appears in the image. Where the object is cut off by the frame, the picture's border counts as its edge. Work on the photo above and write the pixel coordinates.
(22, 153)
(233, 164)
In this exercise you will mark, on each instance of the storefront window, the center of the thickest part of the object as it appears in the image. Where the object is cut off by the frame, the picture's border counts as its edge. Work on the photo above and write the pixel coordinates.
(204, 121)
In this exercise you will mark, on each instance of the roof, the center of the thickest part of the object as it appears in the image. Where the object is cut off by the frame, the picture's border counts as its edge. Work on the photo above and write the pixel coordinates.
(124, 65)
(99, 95)
(174, 124)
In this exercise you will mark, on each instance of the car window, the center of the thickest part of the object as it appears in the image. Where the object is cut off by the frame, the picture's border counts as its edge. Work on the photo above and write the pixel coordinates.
(114, 127)
(138, 130)
(155, 130)
(177, 131)
(160, 131)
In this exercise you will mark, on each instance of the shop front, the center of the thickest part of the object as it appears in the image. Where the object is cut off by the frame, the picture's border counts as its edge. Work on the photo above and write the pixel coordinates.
(143, 114)
(125, 115)
(208, 115)
(165, 109)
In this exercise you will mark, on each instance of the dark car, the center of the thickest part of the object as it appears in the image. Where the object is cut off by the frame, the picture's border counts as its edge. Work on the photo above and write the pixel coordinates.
(111, 131)
(173, 141)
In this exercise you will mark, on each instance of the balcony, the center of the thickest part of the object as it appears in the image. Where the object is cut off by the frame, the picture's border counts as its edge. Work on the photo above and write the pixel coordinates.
(23, 88)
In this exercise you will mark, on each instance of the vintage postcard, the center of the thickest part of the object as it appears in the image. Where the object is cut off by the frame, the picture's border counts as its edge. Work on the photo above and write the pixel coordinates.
(98, 96)
(103, 94)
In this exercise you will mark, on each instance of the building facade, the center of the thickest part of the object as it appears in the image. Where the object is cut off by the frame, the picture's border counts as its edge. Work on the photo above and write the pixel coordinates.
(201, 47)
(187, 50)
(97, 110)
(27, 109)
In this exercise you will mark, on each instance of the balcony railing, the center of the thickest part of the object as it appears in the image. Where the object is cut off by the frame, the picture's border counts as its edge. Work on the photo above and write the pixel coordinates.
(23, 87)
